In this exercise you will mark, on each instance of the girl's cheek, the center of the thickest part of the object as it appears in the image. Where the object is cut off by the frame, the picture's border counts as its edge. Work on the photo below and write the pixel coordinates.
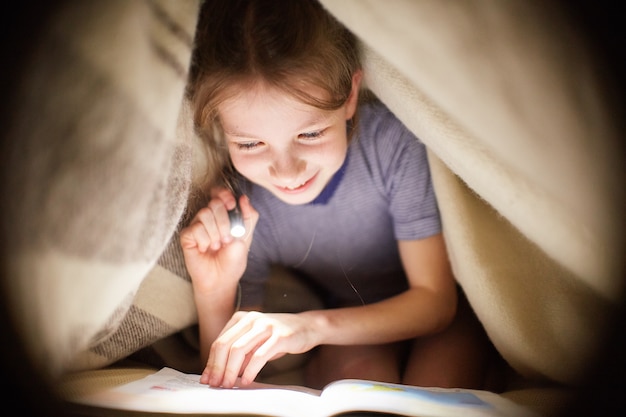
(240, 161)
(238, 164)
(249, 167)
(335, 152)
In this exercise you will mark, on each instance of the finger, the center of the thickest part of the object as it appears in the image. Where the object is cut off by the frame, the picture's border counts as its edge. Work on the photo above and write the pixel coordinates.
(187, 239)
(204, 229)
(219, 352)
(242, 350)
(200, 235)
(220, 231)
(228, 357)
(195, 236)
(260, 356)
(212, 374)
(226, 196)
(249, 216)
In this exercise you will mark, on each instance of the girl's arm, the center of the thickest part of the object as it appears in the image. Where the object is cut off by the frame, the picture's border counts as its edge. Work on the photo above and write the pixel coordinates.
(216, 261)
(428, 306)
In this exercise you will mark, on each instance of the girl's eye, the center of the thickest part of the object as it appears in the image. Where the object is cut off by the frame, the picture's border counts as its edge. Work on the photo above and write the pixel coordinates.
(247, 146)
(311, 135)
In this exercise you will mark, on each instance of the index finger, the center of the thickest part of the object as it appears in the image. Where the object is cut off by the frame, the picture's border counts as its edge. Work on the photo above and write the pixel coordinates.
(226, 195)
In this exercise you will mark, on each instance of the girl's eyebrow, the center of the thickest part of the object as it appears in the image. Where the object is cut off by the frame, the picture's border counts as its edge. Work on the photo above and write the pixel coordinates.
(240, 134)
(317, 120)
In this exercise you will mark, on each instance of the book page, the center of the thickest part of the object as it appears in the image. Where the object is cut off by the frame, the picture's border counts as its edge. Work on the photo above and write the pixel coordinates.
(172, 391)
(405, 400)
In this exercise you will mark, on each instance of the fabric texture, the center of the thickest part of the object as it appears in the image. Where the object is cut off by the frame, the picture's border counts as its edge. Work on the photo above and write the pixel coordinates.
(532, 220)
(99, 175)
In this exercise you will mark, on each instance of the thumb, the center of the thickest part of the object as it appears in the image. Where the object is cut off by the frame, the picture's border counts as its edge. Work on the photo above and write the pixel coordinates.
(249, 216)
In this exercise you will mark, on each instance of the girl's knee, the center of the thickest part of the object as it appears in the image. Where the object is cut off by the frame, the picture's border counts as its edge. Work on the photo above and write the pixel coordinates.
(357, 362)
(458, 357)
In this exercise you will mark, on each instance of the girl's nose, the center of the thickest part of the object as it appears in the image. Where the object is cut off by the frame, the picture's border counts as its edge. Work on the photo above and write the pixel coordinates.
(287, 168)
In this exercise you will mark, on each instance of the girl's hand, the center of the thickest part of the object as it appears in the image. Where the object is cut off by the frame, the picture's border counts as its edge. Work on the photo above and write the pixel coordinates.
(251, 339)
(213, 257)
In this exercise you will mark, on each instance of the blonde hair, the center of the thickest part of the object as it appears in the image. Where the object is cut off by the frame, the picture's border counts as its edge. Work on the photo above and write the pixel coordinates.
(287, 44)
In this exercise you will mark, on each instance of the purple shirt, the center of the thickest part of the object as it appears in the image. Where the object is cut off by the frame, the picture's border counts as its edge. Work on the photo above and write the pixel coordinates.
(345, 242)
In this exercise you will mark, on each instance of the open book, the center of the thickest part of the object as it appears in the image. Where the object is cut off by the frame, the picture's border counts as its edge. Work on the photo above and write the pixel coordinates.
(170, 391)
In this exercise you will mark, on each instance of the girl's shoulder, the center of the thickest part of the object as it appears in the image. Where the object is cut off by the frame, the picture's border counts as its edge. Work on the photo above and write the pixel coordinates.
(379, 126)
(372, 109)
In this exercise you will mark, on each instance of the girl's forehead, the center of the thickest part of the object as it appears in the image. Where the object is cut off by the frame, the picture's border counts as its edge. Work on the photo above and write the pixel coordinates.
(265, 101)
(261, 92)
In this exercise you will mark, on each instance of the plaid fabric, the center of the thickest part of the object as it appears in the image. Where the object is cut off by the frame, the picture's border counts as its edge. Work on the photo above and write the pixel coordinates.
(100, 171)
(162, 307)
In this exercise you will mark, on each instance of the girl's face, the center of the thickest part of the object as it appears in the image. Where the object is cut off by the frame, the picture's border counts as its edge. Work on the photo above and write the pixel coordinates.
(290, 148)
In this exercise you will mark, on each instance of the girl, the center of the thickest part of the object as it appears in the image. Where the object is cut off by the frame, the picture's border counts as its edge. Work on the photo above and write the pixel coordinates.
(344, 201)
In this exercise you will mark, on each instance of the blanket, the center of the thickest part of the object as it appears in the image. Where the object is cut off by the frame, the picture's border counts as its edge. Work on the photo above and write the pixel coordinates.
(524, 156)
(531, 218)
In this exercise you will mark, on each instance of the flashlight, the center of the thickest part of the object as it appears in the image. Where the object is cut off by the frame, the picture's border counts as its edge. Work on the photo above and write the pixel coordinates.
(237, 228)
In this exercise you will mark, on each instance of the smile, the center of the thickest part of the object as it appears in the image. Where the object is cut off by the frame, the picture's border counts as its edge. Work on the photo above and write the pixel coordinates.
(297, 188)
(293, 188)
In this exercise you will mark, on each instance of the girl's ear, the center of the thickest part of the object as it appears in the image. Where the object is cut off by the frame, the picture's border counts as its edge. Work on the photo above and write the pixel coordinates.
(353, 99)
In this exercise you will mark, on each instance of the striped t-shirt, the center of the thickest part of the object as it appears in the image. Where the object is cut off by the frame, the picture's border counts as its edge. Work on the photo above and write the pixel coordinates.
(345, 242)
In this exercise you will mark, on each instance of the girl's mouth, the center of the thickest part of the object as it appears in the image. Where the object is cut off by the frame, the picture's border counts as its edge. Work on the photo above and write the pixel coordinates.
(297, 188)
